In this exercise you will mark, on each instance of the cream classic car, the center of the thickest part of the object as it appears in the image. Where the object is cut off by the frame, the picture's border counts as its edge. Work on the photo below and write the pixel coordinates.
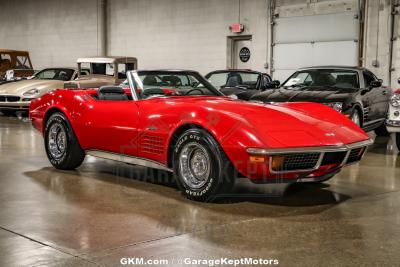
(92, 72)
(108, 70)
(16, 96)
(393, 120)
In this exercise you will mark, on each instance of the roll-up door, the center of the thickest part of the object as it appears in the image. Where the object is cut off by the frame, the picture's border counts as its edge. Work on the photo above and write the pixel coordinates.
(322, 33)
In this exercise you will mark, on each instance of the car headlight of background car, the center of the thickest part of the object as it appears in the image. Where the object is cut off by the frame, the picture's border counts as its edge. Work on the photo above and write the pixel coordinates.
(31, 93)
(338, 106)
(395, 100)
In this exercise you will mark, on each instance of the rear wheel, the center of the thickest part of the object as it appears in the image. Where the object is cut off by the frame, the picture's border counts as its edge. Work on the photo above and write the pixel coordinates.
(201, 167)
(62, 147)
(382, 131)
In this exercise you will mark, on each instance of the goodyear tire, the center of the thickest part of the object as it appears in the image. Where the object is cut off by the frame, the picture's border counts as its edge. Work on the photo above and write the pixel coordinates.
(201, 168)
(62, 147)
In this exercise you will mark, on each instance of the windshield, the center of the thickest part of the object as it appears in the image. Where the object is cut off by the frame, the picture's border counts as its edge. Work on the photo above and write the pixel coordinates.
(172, 83)
(234, 79)
(323, 78)
(55, 74)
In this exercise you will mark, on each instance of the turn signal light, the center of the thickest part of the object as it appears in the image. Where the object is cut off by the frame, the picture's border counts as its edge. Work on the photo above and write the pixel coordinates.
(277, 162)
(257, 159)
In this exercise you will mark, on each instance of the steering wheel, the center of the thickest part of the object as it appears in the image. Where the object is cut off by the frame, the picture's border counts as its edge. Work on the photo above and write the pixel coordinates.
(195, 89)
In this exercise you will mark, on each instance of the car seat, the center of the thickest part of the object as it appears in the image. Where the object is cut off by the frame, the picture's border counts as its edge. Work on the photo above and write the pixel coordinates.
(110, 92)
(234, 80)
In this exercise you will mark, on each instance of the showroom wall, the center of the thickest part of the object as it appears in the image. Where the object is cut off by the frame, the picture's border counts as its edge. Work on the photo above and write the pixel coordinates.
(173, 33)
(188, 34)
(378, 38)
(55, 32)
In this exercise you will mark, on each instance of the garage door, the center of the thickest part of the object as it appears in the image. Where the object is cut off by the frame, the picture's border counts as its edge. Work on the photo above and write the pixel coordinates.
(323, 33)
(396, 51)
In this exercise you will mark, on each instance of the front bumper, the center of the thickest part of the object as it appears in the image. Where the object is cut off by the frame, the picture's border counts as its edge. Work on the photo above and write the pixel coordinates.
(19, 105)
(305, 163)
(393, 126)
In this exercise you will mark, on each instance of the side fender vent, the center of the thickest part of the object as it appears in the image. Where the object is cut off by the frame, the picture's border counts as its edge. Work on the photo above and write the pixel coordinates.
(152, 144)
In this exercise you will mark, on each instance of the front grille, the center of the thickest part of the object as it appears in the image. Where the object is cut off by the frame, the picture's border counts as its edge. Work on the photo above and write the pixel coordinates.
(9, 98)
(355, 154)
(333, 158)
(299, 161)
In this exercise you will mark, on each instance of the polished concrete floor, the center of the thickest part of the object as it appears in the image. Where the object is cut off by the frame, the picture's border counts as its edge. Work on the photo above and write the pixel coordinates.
(104, 211)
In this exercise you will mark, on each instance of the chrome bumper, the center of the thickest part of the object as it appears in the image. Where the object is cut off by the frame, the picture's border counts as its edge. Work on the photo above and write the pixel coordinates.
(393, 123)
(15, 105)
(348, 148)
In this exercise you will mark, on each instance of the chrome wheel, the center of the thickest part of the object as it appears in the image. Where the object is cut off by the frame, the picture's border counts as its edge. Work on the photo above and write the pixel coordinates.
(57, 141)
(356, 118)
(195, 165)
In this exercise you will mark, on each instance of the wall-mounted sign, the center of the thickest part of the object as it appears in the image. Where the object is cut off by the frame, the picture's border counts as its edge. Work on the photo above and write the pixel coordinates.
(244, 54)
(236, 28)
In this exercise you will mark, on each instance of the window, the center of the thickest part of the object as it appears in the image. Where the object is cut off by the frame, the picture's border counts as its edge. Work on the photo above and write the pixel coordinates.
(250, 79)
(23, 63)
(170, 83)
(368, 77)
(266, 79)
(235, 78)
(5, 62)
(218, 79)
(55, 74)
(340, 78)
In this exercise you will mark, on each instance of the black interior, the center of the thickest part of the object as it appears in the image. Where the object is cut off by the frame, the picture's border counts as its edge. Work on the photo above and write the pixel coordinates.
(109, 92)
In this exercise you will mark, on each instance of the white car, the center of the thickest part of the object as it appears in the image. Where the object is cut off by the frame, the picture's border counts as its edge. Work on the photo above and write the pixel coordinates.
(393, 120)
(17, 96)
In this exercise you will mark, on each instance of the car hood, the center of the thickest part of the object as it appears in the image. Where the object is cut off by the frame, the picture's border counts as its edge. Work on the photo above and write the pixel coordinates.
(311, 94)
(18, 88)
(283, 125)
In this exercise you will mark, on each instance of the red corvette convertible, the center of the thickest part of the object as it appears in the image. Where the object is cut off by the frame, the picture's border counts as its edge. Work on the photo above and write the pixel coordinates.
(177, 121)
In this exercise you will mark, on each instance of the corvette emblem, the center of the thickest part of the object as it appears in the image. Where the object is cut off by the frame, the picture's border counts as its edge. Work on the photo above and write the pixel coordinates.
(329, 134)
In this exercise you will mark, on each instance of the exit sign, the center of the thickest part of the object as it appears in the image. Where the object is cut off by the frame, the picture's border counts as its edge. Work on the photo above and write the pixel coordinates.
(236, 28)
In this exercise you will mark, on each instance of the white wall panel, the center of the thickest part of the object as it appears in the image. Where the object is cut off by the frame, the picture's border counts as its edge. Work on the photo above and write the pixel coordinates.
(312, 34)
(329, 27)
(188, 34)
(290, 57)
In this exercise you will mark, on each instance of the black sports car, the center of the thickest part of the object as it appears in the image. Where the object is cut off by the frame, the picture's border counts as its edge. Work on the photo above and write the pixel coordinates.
(354, 91)
(241, 83)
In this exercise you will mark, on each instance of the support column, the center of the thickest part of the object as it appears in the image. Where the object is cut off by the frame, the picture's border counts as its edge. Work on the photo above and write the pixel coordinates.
(102, 27)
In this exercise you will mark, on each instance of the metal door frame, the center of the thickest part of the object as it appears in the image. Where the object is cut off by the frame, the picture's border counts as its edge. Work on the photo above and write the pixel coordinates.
(231, 48)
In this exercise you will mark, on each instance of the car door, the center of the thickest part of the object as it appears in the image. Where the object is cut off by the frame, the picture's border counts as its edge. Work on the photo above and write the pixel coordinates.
(112, 126)
(377, 98)
(154, 128)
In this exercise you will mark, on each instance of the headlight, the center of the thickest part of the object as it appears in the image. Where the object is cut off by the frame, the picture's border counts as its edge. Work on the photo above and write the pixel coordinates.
(31, 92)
(395, 100)
(338, 106)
